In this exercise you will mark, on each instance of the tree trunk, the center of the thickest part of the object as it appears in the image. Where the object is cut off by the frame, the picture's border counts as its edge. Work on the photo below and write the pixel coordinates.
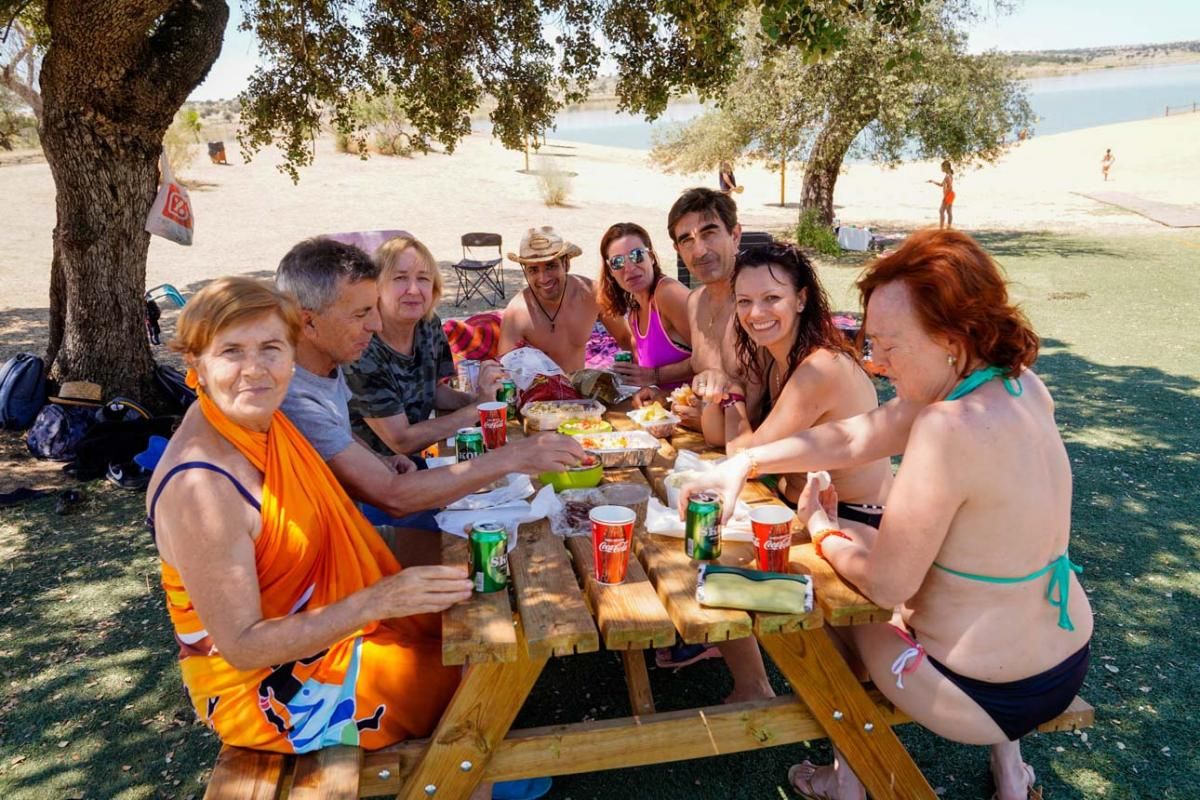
(112, 79)
(824, 164)
(783, 183)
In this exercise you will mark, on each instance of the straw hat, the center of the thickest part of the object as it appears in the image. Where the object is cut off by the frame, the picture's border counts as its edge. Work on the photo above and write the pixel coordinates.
(79, 393)
(543, 244)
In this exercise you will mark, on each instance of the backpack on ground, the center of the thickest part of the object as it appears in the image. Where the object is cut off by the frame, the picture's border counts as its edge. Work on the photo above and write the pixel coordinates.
(22, 391)
(173, 384)
(58, 430)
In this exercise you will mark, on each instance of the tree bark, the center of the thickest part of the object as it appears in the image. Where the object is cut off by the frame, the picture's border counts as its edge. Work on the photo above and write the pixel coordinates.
(824, 164)
(113, 77)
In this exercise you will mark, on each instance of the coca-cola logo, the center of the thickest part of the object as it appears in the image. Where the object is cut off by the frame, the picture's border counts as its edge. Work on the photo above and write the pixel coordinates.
(779, 543)
(493, 422)
(614, 545)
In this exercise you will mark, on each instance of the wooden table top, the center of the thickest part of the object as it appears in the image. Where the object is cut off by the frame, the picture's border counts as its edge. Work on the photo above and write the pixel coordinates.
(564, 610)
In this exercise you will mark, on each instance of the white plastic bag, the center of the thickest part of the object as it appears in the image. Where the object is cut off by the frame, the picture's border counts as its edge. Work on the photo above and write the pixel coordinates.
(526, 363)
(171, 215)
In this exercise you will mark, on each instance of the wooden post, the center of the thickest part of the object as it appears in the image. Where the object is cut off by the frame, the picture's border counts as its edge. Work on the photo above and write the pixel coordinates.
(782, 182)
(527, 152)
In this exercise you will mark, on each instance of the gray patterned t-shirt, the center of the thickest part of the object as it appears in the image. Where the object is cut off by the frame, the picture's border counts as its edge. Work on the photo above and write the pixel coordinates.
(385, 382)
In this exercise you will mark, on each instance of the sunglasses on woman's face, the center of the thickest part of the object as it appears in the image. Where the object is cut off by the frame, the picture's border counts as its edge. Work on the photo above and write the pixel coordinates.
(637, 255)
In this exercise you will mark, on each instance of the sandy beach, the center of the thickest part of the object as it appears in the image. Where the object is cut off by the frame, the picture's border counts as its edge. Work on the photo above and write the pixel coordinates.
(248, 215)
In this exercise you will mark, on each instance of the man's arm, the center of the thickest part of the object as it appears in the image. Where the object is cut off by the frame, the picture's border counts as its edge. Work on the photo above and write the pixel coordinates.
(513, 324)
(404, 438)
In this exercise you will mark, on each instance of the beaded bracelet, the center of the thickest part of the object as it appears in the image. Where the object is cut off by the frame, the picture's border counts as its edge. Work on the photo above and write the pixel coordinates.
(821, 536)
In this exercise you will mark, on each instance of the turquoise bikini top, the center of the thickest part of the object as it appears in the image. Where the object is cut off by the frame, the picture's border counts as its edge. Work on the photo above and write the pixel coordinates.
(1060, 569)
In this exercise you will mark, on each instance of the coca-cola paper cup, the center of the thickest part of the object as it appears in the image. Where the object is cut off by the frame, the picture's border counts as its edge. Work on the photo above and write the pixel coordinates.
(493, 418)
(772, 527)
(612, 538)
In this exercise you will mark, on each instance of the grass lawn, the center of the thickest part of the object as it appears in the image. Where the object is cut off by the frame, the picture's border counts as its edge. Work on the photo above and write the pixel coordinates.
(91, 704)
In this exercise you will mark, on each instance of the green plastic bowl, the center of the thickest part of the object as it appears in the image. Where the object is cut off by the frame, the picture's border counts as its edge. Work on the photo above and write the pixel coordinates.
(574, 478)
(575, 426)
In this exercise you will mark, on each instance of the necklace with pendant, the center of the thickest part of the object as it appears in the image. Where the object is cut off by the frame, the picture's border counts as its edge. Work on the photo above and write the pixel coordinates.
(543, 308)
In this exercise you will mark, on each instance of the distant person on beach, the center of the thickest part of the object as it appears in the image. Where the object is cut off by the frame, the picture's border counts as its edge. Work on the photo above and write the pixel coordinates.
(729, 184)
(946, 212)
(554, 298)
(1107, 162)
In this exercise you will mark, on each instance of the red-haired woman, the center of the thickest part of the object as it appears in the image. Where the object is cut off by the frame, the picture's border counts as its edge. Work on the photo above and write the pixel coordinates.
(632, 285)
(972, 548)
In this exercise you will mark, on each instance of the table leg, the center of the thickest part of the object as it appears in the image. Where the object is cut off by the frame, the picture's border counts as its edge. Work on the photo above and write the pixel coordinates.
(821, 677)
(476, 721)
(637, 680)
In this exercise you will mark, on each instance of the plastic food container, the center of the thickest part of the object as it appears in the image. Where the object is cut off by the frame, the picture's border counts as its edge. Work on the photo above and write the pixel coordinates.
(661, 427)
(581, 478)
(585, 426)
(547, 415)
(620, 448)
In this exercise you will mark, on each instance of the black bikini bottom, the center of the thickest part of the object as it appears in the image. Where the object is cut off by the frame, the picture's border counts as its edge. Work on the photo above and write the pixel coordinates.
(855, 512)
(1018, 707)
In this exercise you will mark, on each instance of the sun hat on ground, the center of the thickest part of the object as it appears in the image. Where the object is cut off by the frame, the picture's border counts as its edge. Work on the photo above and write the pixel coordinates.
(79, 393)
(544, 244)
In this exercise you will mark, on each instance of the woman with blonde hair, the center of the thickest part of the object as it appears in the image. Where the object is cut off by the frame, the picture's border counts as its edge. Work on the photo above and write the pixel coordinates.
(297, 627)
(401, 377)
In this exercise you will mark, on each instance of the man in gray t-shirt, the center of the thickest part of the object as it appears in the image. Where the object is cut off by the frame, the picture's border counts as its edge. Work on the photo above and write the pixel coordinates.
(335, 284)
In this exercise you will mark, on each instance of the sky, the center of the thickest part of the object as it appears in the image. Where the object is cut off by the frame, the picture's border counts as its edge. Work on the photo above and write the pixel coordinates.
(1034, 25)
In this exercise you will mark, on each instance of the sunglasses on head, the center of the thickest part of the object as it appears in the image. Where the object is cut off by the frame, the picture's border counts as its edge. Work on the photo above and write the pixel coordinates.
(637, 255)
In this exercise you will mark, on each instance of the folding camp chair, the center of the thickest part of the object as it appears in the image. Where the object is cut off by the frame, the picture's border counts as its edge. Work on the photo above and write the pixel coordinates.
(482, 277)
(166, 291)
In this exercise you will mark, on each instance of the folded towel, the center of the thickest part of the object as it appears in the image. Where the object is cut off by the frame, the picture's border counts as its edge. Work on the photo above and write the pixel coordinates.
(753, 590)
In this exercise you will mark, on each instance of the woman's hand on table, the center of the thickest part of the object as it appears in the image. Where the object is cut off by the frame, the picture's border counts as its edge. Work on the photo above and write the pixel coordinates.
(647, 395)
(418, 590)
(490, 376)
(543, 452)
(727, 480)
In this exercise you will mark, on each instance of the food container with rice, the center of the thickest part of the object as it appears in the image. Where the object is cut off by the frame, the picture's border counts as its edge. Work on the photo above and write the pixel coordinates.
(547, 415)
(655, 420)
(621, 448)
(575, 426)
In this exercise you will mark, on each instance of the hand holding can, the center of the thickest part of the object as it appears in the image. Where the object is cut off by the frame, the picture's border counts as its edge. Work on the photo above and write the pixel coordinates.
(772, 527)
(493, 418)
(612, 537)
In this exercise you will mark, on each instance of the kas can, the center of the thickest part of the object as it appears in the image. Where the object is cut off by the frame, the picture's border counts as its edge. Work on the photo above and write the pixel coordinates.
(702, 536)
(468, 442)
(493, 418)
(489, 556)
(623, 357)
(612, 534)
(507, 393)
(468, 375)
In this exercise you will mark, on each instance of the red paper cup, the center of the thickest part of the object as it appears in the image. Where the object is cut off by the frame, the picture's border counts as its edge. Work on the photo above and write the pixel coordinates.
(612, 536)
(493, 418)
(772, 527)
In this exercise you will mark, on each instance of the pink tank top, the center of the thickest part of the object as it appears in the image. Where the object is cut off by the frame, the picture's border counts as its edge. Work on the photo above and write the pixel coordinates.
(655, 348)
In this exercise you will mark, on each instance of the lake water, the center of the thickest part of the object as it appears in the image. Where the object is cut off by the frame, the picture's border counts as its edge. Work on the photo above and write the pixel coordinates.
(1099, 97)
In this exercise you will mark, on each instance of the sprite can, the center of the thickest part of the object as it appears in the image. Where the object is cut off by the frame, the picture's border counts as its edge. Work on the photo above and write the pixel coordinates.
(489, 556)
(468, 443)
(623, 357)
(507, 393)
(702, 536)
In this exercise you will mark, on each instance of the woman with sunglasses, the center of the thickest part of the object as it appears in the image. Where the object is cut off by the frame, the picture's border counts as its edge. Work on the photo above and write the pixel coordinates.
(632, 285)
(800, 371)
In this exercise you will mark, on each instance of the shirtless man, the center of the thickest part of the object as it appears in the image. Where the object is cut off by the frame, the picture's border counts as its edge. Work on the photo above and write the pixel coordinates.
(704, 228)
(557, 311)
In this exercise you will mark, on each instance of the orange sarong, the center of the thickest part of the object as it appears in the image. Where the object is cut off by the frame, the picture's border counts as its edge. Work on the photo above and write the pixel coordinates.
(383, 684)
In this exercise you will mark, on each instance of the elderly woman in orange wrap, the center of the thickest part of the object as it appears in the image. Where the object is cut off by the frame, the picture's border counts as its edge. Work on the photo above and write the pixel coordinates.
(297, 627)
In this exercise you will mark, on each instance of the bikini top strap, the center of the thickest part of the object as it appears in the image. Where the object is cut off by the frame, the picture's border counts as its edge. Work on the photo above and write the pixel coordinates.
(198, 465)
(1057, 591)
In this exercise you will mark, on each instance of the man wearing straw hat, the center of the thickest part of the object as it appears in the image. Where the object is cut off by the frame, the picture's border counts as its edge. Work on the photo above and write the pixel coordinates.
(556, 312)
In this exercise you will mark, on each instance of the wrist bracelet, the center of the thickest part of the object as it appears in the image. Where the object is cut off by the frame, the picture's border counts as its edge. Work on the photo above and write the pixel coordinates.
(732, 400)
(821, 536)
(752, 474)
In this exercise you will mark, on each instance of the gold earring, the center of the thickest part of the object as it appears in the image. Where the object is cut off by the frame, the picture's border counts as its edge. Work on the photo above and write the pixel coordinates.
(951, 360)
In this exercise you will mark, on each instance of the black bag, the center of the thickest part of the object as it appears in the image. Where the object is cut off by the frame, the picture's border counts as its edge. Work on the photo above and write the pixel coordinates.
(171, 382)
(58, 430)
(116, 441)
(22, 391)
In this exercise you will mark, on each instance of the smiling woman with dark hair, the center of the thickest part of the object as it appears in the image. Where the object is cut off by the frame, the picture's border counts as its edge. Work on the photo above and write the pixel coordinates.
(800, 371)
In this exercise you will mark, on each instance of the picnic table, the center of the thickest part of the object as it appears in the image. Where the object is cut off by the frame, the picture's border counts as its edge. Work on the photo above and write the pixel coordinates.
(557, 609)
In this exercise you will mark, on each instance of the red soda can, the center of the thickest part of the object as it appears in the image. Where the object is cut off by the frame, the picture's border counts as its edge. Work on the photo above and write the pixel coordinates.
(772, 527)
(612, 537)
(493, 418)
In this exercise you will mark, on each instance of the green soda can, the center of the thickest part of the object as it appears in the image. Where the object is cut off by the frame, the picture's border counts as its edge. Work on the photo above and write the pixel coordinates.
(468, 443)
(623, 357)
(489, 556)
(507, 393)
(702, 536)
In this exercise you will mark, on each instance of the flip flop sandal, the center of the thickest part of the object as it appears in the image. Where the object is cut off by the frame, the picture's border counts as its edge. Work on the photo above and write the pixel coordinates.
(809, 795)
(67, 500)
(527, 789)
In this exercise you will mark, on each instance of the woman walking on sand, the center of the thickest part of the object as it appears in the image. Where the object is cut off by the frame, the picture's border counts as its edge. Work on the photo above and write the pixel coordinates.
(725, 177)
(1107, 162)
(946, 212)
